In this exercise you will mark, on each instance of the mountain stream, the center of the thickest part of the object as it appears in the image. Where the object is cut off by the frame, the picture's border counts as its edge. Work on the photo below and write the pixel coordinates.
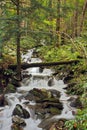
(38, 79)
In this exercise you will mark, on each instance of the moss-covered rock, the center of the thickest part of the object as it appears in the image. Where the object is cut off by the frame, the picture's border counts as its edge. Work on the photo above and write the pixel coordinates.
(10, 88)
(54, 111)
(18, 121)
(21, 112)
(47, 102)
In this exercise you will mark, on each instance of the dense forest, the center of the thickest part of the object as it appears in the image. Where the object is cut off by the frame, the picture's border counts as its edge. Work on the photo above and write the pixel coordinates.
(57, 29)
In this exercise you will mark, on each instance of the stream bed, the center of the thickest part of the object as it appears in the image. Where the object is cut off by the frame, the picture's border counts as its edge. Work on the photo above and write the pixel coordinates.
(37, 82)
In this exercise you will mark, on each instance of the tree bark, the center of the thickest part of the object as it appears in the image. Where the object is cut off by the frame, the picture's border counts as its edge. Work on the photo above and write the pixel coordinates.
(58, 23)
(58, 16)
(26, 65)
(75, 22)
(83, 17)
(18, 42)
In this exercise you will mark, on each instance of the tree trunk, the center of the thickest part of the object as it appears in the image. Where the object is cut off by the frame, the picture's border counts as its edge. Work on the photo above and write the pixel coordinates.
(83, 17)
(58, 21)
(58, 16)
(75, 22)
(26, 65)
(18, 42)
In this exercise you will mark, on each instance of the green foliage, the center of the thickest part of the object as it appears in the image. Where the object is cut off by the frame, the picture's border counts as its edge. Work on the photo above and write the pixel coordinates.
(79, 123)
(80, 43)
(27, 43)
(57, 54)
(8, 72)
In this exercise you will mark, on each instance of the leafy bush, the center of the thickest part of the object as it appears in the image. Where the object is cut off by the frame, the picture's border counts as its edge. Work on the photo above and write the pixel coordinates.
(79, 123)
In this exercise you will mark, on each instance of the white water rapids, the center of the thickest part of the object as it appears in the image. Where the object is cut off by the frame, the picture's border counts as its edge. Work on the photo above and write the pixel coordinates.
(37, 80)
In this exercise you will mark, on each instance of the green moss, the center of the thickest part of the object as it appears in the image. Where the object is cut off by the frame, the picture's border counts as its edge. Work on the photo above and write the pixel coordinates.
(10, 88)
(54, 111)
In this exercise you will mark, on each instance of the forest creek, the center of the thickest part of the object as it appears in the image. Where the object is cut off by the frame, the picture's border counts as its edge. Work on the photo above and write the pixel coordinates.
(38, 102)
(43, 65)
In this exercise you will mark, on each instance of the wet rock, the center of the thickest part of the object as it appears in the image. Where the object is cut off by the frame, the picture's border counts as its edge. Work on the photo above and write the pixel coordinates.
(74, 112)
(54, 111)
(21, 112)
(53, 124)
(18, 121)
(57, 105)
(51, 100)
(46, 123)
(72, 98)
(2, 100)
(58, 125)
(37, 94)
(27, 76)
(26, 102)
(24, 72)
(16, 82)
(67, 79)
(51, 82)
(46, 109)
(26, 81)
(16, 127)
(76, 103)
(70, 85)
(47, 102)
(29, 96)
(55, 93)
(41, 69)
(10, 88)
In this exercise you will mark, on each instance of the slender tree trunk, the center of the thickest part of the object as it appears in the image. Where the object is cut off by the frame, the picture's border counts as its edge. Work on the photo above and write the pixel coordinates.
(58, 16)
(58, 21)
(1, 46)
(18, 42)
(75, 22)
(50, 16)
(83, 17)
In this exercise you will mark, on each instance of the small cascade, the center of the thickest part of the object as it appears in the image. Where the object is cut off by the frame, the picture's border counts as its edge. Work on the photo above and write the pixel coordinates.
(40, 78)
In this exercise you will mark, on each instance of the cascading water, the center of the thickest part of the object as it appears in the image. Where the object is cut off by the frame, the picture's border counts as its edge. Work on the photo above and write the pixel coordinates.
(39, 80)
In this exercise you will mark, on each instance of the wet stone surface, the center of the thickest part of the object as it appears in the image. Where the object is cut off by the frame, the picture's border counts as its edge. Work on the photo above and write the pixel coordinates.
(47, 102)
(20, 111)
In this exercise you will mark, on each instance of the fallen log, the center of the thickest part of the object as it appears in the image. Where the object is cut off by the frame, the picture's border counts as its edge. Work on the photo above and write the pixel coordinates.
(26, 65)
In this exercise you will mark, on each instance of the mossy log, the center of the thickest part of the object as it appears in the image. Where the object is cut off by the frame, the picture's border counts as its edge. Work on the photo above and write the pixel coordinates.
(26, 65)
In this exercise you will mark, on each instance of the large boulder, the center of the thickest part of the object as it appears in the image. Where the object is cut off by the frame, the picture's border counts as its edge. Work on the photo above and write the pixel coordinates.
(39, 95)
(46, 102)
